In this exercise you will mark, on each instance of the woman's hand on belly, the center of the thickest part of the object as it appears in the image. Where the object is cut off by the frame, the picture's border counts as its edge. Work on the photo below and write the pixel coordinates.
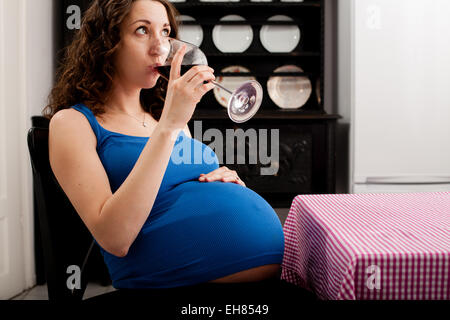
(222, 174)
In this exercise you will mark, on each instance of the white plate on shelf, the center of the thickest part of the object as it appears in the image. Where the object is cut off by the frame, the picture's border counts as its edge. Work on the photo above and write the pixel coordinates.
(289, 92)
(190, 33)
(232, 38)
(279, 38)
(231, 83)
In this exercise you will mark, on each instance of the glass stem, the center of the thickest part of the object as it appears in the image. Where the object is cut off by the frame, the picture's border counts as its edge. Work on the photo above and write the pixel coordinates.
(215, 83)
(218, 85)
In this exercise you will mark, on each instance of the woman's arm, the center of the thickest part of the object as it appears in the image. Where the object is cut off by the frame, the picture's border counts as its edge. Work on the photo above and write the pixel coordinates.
(113, 219)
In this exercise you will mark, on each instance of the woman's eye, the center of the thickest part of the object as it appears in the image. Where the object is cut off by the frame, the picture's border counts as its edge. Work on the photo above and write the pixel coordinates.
(142, 28)
(166, 32)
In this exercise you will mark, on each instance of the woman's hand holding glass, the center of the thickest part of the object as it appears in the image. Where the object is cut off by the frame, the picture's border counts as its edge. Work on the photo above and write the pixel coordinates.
(243, 103)
(184, 91)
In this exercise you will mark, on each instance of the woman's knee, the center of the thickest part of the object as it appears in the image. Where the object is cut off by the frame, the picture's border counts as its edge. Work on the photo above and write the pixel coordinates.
(250, 275)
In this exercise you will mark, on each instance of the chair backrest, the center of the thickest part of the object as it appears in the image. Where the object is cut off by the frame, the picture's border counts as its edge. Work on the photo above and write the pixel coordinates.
(66, 241)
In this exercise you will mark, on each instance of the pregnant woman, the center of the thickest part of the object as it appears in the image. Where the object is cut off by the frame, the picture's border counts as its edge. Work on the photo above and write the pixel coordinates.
(116, 129)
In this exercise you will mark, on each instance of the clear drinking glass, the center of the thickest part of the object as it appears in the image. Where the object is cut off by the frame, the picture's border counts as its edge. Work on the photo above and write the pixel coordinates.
(243, 102)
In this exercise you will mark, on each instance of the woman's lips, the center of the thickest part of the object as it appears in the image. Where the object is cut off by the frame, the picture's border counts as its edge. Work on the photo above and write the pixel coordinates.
(152, 68)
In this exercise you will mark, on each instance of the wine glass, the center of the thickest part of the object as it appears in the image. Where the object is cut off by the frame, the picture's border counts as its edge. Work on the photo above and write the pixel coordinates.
(243, 102)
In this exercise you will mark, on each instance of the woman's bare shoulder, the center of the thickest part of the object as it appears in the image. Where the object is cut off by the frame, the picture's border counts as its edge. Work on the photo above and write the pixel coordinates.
(70, 123)
(69, 114)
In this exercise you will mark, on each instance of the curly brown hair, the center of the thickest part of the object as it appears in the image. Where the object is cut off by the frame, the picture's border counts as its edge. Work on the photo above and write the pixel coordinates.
(86, 71)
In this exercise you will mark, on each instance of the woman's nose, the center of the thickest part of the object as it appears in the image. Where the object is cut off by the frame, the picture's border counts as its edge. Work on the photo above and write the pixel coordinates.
(159, 46)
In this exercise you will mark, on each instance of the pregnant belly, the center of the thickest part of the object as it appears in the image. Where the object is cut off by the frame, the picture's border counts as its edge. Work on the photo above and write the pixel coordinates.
(210, 201)
(202, 227)
(214, 214)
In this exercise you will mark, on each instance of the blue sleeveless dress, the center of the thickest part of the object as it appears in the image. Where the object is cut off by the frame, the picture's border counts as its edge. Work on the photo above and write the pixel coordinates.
(196, 231)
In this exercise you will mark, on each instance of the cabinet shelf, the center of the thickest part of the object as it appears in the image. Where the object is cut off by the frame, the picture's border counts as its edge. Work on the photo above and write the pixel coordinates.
(280, 114)
(264, 54)
(245, 4)
(264, 74)
(246, 22)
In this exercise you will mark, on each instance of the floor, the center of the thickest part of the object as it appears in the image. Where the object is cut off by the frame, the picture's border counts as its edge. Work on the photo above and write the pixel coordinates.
(40, 292)
(93, 289)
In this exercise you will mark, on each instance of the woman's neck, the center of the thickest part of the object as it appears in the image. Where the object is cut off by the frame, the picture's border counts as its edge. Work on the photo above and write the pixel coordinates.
(122, 100)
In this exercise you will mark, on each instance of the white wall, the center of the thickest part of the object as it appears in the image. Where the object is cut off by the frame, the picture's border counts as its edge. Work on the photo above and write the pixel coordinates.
(344, 94)
(392, 84)
(40, 56)
(27, 67)
(39, 75)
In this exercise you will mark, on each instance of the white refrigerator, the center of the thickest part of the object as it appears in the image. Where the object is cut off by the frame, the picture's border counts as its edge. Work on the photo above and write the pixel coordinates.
(400, 88)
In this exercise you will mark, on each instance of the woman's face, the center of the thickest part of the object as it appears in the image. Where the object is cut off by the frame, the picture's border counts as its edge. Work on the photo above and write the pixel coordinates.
(141, 33)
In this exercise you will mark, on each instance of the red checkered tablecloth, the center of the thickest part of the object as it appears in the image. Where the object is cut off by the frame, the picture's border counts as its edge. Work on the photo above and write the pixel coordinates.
(370, 246)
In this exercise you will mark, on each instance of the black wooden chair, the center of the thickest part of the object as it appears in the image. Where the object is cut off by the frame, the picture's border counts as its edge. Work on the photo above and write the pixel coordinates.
(65, 239)
(66, 242)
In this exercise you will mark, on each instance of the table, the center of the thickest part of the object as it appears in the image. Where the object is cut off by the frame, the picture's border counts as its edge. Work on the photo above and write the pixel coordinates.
(392, 246)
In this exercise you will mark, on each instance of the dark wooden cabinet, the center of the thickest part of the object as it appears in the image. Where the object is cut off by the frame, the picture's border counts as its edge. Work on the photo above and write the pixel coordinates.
(306, 162)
